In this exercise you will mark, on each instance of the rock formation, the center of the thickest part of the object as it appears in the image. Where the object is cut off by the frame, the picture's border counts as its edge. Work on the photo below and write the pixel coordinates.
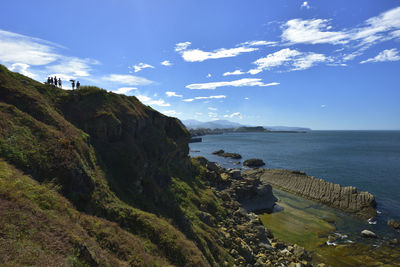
(345, 198)
(253, 163)
(222, 153)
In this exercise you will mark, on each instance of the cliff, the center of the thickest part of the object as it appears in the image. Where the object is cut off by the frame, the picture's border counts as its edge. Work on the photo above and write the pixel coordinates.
(118, 170)
(346, 198)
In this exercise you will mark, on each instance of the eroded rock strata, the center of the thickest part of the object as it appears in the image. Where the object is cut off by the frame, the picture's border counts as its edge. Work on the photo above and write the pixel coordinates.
(243, 233)
(346, 198)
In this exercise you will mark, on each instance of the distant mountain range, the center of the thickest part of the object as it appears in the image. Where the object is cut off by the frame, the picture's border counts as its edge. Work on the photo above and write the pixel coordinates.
(225, 124)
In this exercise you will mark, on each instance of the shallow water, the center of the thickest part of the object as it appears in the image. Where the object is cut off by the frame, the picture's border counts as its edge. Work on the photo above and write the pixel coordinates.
(369, 160)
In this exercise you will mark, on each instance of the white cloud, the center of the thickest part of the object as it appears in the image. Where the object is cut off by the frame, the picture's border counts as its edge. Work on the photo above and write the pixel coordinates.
(259, 43)
(236, 72)
(73, 67)
(234, 115)
(323, 106)
(246, 98)
(198, 113)
(166, 63)
(288, 57)
(127, 79)
(236, 83)
(212, 109)
(208, 75)
(23, 52)
(317, 31)
(182, 46)
(140, 66)
(305, 5)
(23, 69)
(204, 97)
(385, 55)
(212, 114)
(308, 60)
(313, 31)
(124, 90)
(17, 48)
(171, 113)
(197, 55)
(170, 94)
(149, 101)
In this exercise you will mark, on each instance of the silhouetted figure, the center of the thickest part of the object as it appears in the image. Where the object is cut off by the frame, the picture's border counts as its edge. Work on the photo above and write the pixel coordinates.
(55, 80)
(78, 84)
(51, 80)
(48, 80)
(59, 82)
(73, 84)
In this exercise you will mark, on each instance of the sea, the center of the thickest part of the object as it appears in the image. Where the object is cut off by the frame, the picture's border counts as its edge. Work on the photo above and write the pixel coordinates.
(368, 160)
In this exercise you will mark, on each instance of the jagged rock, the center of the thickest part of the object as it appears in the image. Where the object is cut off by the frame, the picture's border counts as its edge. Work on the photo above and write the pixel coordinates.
(345, 198)
(394, 224)
(218, 152)
(235, 174)
(253, 163)
(212, 166)
(368, 233)
(222, 153)
(224, 176)
(202, 160)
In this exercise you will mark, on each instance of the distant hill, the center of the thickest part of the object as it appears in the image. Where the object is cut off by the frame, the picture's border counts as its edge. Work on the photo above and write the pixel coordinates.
(217, 124)
(225, 124)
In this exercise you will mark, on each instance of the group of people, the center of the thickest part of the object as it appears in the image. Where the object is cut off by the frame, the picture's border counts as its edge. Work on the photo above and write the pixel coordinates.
(58, 82)
(54, 81)
(73, 84)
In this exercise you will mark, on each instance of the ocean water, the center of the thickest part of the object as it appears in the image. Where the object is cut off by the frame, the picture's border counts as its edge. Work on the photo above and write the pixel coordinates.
(369, 160)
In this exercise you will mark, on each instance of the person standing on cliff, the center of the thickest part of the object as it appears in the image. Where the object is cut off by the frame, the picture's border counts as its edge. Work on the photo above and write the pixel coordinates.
(73, 84)
(59, 82)
(78, 84)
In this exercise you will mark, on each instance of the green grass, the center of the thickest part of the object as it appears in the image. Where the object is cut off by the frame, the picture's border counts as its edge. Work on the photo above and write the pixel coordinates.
(111, 157)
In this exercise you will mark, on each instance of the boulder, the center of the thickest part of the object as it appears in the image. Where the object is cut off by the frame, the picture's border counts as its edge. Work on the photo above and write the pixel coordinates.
(235, 174)
(254, 163)
(212, 166)
(394, 224)
(368, 233)
(222, 153)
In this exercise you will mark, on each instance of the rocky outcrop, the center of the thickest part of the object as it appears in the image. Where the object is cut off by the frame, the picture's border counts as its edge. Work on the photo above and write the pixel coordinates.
(222, 153)
(242, 232)
(345, 198)
(253, 163)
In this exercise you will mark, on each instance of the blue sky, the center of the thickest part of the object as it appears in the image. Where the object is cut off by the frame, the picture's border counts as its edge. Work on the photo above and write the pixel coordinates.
(317, 64)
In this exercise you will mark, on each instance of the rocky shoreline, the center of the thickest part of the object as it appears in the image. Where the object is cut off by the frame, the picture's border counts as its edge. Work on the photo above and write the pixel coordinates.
(248, 241)
(346, 198)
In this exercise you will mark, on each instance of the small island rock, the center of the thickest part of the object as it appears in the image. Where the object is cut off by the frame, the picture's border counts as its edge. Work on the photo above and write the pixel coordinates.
(254, 163)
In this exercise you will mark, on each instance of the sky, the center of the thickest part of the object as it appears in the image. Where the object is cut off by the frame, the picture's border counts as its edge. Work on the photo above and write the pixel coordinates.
(319, 64)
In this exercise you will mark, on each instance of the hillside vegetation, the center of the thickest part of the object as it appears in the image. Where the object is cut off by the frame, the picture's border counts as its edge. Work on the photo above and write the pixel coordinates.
(92, 178)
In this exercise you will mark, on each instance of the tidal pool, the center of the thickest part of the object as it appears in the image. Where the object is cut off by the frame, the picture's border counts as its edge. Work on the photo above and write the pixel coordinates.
(332, 236)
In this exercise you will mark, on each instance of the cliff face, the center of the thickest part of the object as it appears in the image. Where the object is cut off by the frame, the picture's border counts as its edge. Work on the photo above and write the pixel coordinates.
(346, 198)
(136, 145)
(111, 157)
